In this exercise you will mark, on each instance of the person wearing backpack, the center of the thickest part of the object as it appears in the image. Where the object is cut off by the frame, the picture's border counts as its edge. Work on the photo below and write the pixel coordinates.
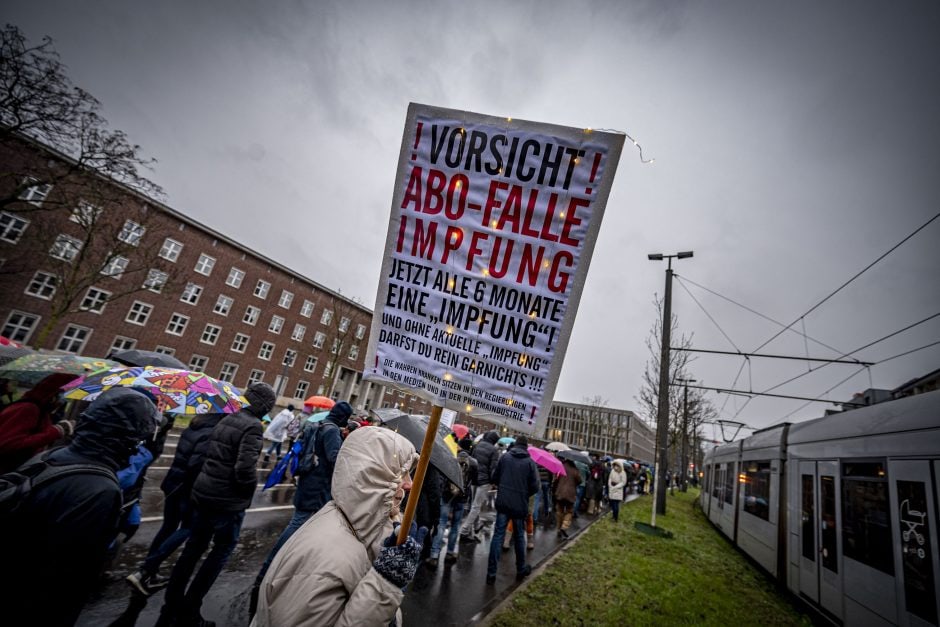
(26, 426)
(55, 539)
(453, 501)
(320, 444)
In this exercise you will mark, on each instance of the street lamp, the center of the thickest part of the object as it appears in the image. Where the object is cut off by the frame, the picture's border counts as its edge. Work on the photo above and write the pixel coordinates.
(662, 411)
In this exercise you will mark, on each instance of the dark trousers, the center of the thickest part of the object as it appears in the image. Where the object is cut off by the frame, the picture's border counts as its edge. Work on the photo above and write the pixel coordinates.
(222, 530)
(175, 530)
(615, 508)
(496, 545)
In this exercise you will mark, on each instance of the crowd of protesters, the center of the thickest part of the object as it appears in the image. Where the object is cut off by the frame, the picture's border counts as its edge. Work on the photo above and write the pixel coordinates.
(337, 560)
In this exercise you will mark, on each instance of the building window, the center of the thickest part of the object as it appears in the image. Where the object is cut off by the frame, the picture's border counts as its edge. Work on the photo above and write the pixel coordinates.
(35, 194)
(298, 333)
(122, 343)
(353, 352)
(262, 289)
(171, 250)
(757, 489)
(42, 286)
(85, 214)
(191, 293)
(327, 316)
(156, 279)
(266, 350)
(95, 300)
(12, 227)
(131, 233)
(277, 323)
(65, 248)
(319, 339)
(223, 305)
(115, 267)
(198, 363)
(210, 335)
(328, 371)
(240, 343)
(255, 376)
(311, 364)
(235, 278)
(336, 344)
(20, 325)
(301, 391)
(290, 356)
(73, 339)
(285, 300)
(177, 324)
(205, 264)
(251, 315)
(228, 372)
(344, 324)
(139, 313)
(165, 350)
(360, 331)
(306, 310)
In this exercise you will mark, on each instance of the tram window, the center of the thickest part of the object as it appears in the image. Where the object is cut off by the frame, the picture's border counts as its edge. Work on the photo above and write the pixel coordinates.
(916, 559)
(716, 481)
(807, 519)
(730, 477)
(757, 489)
(866, 528)
(827, 511)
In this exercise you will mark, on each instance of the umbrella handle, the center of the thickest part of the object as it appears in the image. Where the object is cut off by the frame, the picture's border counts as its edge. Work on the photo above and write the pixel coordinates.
(418, 481)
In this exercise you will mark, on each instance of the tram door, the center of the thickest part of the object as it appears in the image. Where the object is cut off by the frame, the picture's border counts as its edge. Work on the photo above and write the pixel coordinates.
(820, 532)
(914, 497)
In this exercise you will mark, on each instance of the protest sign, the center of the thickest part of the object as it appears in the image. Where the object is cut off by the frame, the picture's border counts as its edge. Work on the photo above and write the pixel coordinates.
(492, 227)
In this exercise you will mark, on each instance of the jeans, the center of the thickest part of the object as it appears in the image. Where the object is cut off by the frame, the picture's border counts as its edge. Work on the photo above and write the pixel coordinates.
(274, 445)
(177, 521)
(496, 545)
(479, 497)
(577, 501)
(446, 509)
(615, 508)
(543, 501)
(222, 530)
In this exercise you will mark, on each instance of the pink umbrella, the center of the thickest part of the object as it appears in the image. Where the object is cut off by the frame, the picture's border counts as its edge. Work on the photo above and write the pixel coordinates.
(460, 430)
(546, 460)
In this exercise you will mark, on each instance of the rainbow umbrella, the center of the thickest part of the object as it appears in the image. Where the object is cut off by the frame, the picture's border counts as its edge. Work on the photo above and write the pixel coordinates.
(177, 391)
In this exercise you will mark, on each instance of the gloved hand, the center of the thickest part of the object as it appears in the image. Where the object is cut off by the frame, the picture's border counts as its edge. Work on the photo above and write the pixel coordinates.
(399, 563)
(66, 427)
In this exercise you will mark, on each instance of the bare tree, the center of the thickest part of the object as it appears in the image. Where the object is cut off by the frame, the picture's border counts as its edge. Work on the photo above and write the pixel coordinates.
(39, 102)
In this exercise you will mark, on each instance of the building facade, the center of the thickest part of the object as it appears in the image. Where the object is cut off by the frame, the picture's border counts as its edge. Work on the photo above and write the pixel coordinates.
(619, 433)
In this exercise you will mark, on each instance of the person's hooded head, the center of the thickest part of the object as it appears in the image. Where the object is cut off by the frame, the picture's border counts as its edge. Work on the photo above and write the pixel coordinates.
(340, 414)
(491, 436)
(261, 399)
(113, 426)
(370, 468)
(46, 393)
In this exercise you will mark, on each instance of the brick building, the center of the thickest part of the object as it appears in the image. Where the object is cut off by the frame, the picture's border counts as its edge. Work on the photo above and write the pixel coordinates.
(89, 266)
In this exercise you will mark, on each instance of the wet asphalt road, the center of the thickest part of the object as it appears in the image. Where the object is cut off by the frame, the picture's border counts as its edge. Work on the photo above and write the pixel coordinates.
(450, 594)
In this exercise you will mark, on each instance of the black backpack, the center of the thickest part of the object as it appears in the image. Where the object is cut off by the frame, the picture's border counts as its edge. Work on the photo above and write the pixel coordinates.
(308, 459)
(17, 485)
(466, 471)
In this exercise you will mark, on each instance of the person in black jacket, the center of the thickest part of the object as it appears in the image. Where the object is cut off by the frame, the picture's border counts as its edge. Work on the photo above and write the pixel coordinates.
(53, 547)
(487, 455)
(221, 493)
(516, 479)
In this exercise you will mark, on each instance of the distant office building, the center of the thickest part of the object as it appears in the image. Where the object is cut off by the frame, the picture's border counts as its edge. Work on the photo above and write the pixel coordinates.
(619, 433)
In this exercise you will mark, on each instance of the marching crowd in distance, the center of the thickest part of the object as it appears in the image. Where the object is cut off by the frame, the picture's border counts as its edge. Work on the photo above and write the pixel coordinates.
(70, 495)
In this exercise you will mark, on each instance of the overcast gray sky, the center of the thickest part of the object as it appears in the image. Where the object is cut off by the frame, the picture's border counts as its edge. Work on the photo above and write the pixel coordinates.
(795, 142)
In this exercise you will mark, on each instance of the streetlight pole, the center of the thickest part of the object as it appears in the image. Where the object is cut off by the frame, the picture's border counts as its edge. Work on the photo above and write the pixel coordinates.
(684, 486)
(662, 411)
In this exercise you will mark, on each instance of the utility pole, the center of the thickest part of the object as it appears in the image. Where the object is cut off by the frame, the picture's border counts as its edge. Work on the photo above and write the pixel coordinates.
(684, 486)
(662, 411)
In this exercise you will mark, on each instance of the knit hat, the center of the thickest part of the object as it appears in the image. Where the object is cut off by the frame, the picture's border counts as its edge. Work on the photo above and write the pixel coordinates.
(340, 413)
(261, 399)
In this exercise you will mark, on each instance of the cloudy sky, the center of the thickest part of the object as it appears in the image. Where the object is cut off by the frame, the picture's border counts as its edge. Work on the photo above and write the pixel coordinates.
(795, 142)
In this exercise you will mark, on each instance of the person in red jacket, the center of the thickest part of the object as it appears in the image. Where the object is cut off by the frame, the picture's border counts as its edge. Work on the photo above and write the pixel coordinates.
(26, 426)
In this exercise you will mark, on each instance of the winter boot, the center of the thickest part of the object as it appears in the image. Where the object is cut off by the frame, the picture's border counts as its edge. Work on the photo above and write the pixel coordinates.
(531, 543)
(265, 461)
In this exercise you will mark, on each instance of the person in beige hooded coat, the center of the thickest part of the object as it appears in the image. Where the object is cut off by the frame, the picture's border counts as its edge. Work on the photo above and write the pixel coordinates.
(324, 575)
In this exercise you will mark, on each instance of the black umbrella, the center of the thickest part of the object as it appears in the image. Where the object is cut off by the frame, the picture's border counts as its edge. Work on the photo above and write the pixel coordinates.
(442, 458)
(575, 456)
(134, 357)
(9, 353)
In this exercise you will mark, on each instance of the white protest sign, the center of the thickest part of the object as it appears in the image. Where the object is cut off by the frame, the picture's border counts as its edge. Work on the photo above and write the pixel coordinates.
(492, 227)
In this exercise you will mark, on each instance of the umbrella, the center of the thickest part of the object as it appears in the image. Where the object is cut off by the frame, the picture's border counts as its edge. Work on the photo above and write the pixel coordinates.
(385, 413)
(5, 341)
(317, 417)
(177, 391)
(546, 460)
(9, 352)
(506, 441)
(319, 401)
(134, 357)
(461, 431)
(557, 446)
(413, 429)
(31, 369)
(575, 456)
(292, 459)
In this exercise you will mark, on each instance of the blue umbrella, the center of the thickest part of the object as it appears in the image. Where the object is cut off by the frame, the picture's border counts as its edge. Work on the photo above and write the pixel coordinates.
(291, 459)
(506, 441)
(317, 417)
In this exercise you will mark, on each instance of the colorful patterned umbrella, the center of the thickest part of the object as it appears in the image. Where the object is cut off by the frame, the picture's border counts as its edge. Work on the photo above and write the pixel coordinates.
(31, 369)
(177, 391)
